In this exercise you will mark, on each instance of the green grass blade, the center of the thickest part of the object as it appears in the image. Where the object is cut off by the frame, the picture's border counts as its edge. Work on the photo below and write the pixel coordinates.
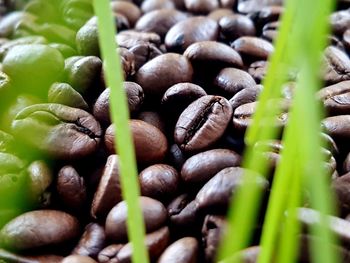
(123, 140)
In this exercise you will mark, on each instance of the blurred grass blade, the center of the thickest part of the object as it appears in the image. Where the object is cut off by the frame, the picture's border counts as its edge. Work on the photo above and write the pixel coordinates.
(123, 140)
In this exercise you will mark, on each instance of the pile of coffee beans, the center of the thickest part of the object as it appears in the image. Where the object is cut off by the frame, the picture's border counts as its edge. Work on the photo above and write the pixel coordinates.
(193, 71)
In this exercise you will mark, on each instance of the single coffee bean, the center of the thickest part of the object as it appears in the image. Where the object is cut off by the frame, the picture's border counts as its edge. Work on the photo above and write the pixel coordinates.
(202, 123)
(39, 228)
(253, 48)
(201, 167)
(184, 250)
(150, 22)
(150, 143)
(337, 66)
(153, 118)
(87, 39)
(337, 127)
(63, 93)
(201, 6)
(109, 253)
(235, 26)
(108, 192)
(178, 97)
(244, 96)
(155, 77)
(154, 214)
(78, 259)
(60, 131)
(213, 53)
(131, 11)
(131, 38)
(144, 52)
(229, 81)
(91, 242)
(340, 21)
(217, 192)
(258, 70)
(189, 31)
(159, 181)
(152, 5)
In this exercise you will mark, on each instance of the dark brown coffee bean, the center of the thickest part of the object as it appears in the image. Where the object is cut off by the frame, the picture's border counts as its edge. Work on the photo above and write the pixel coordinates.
(235, 26)
(182, 212)
(154, 214)
(159, 181)
(340, 21)
(201, 167)
(91, 242)
(60, 131)
(219, 13)
(134, 95)
(151, 144)
(337, 127)
(143, 53)
(202, 123)
(217, 192)
(213, 53)
(229, 81)
(109, 254)
(156, 76)
(213, 228)
(131, 11)
(245, 96)
(153, 118)
(131, 38)
(78, 259)
(159, 21)
(253, 48)
(39, 228)
(108, 192)
(152, 5)
(156, 242)
(189, 31)
(184, 250)
(63, 93)
(340, 186)
(337, 66)
(178, 97)
(201, 6)
(258, 70)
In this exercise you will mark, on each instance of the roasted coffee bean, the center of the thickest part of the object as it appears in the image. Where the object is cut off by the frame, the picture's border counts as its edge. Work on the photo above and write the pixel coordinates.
(154, 214)
(156, 76)
(91, 242)
(182, 212)
(135, 97)
(152, 5)
(217, 192)
(337, 66)
(156, 242)
(153, 118)
(258, 70)
(144, 52)
(337, 127)
(78, 259)
(229, 81)
(176, 156)
(235, 26)
(130, 38)
(202, 123)
(151, 145)
(128, 62)
(131, 11)
(189, 31)
(108, 192)
(178, 97)
(201, 6)
(201, 167)
(109, 254)
(71, 188)
(253, 48)
(63, 93)
(213, 228)
(59, 131)
(219, 13)
(213, 53)
(340, 21)
(39, 228)
(160, 21)
(244, 96)
(184, 250)
(159, 181)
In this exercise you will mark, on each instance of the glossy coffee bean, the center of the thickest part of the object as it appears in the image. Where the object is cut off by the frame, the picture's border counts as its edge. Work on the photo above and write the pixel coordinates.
(337, 66)
(235, 26)
(337, 127)
(156, 76)
(150, 22)
(244, 96)
(217, 192)
(153, 118)
(202, 123)
(201, 6)
(152, 5)
(213, 53)
(151, 144)
(229, 81)
(55, 128)
(189, 31)
(71, 188)
(253, 48)
(131, 11)
(154, 214)
(201, 167)
(144, 52)
(39, 228)
(182, 212)
(78, 259)
(184, 250)
(178, 97)
(159, 181)
(91, 242)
